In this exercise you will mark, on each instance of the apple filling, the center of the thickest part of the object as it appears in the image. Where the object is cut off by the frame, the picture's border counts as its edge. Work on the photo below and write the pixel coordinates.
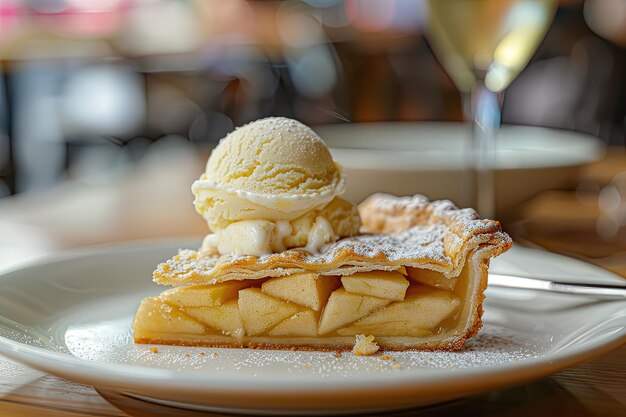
(407, 302)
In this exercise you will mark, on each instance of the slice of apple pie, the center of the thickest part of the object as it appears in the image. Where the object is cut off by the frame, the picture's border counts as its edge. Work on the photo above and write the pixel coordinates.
(415, 280)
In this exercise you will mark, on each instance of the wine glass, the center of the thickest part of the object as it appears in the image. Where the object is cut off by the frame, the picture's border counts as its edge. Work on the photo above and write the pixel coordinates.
(484, 45)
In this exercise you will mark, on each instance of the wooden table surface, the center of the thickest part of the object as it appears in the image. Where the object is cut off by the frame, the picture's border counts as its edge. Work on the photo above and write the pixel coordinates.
(77, 214)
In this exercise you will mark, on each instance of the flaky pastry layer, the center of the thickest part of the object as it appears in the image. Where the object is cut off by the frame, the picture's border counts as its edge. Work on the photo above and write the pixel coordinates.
(402, 231)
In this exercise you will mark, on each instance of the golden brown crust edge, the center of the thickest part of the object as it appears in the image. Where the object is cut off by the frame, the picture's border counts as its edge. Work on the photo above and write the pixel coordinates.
(457, 345)
(386, 213)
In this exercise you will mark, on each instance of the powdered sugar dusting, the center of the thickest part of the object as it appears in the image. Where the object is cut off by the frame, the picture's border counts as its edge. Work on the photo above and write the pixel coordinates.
(417, 207)
(420, 242)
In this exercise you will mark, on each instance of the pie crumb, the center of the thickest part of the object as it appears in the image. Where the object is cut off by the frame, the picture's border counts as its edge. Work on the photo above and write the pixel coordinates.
(154, 350)
(364, 346)
(187, 355)
(214, 353)
(338, 354)
(388, 358)
(202, 353)
(306, 366)
(395, 366)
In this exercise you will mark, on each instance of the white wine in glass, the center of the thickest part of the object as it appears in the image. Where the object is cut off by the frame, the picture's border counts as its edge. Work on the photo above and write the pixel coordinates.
(484, 45)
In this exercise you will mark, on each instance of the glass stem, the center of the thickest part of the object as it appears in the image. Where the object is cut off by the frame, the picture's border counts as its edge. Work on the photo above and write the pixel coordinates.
(486, 122)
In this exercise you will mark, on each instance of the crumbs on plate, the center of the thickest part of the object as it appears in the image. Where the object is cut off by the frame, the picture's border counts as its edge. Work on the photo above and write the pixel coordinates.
(364, 345)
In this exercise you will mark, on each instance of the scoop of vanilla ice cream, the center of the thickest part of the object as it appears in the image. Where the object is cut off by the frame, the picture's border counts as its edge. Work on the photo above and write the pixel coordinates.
(271, 169)
(274, 156)
(272, 183)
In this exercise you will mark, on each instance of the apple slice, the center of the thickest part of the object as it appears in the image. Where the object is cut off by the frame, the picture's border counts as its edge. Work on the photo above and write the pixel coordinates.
(382, 284)
(205, 295)
(423, 308)
(308, 289)
(260, 312)
(431, 278)
(225, 318)
(303, 324)
(158, 316)
(344, 307)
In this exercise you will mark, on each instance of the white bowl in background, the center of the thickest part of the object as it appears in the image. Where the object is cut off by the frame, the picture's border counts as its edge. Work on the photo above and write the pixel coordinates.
(429, 158)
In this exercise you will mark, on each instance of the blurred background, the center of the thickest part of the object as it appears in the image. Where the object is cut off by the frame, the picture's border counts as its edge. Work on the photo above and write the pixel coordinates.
(109, 109)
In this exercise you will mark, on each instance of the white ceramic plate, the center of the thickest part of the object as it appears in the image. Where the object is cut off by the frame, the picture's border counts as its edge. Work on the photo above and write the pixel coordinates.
(429, 158)
(71, 316)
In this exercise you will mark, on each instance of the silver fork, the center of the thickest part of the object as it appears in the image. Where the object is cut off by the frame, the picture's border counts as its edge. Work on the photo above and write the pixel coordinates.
(614, 292)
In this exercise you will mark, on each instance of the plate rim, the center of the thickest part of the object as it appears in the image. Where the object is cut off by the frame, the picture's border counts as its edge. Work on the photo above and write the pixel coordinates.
(140, 377)
(133, 376)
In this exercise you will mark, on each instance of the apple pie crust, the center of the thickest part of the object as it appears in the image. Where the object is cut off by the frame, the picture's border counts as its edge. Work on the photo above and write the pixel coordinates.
(414, 279)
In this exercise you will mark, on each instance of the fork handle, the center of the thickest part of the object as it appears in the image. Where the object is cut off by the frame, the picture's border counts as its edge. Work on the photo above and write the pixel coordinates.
(613, 292)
